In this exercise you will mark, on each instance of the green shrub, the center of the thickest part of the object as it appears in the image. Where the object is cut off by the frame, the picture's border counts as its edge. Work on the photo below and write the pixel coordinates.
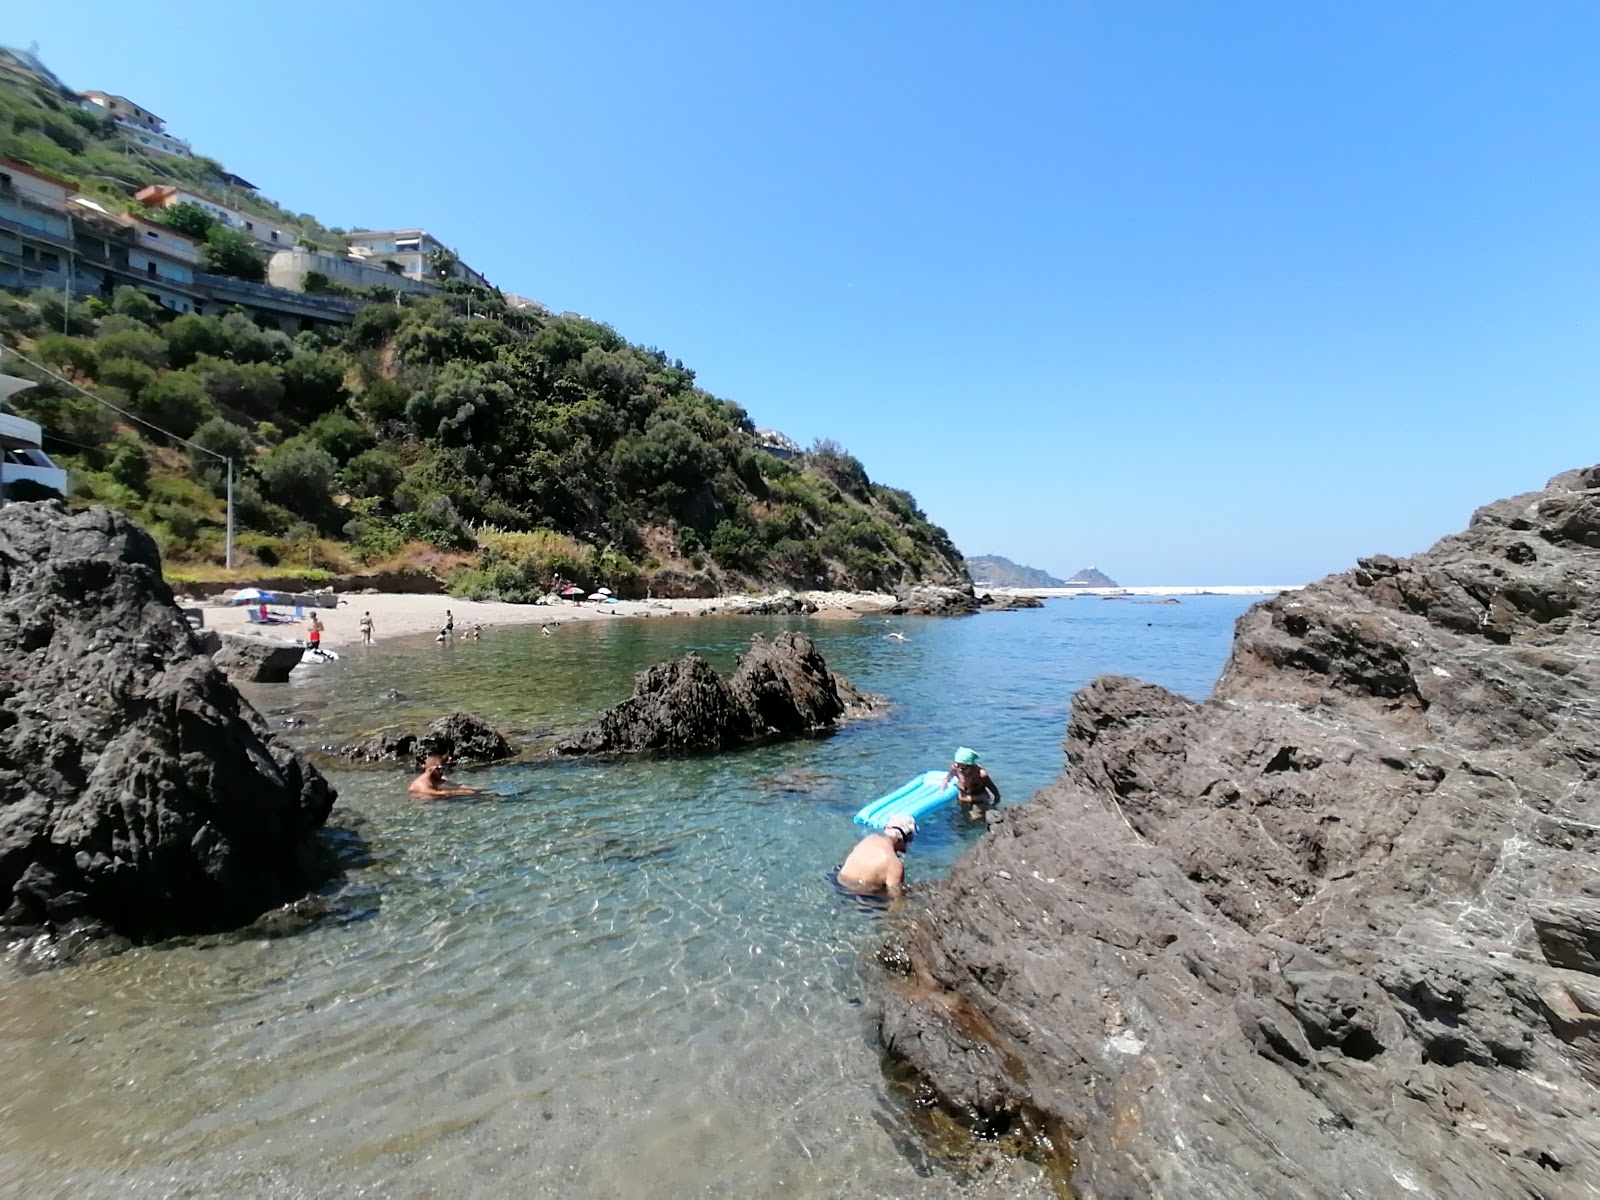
(223, 437)
(67, 353)
(300, 476)
(138, 344)
(340, 436)
(132, 303)
(736, 547)
(128, 374)
(250, 389)
(191, 337)
(175, 401)
(130, 465)
(374, 473)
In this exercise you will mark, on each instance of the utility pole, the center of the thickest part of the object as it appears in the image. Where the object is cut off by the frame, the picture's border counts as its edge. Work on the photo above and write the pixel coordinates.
(228, 560)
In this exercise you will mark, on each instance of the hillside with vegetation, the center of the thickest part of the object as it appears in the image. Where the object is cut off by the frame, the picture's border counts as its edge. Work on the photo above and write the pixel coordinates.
(1002, 572)
(493, 446)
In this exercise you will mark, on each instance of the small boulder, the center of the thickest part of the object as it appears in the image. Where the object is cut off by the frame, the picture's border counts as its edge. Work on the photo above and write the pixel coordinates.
(245, 658)
(935, 600)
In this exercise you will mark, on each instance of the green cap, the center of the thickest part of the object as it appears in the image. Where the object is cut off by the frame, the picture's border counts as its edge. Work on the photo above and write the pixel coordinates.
(966, 757)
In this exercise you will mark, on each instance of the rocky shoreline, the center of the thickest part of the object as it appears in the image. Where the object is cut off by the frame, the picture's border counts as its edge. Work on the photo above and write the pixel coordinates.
(140, 796)
(1335, 931)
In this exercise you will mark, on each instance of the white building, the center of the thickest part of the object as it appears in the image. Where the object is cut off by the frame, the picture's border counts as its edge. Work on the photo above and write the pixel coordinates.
(412, 250)
(22, 456)
(136, 124)
(160, 195)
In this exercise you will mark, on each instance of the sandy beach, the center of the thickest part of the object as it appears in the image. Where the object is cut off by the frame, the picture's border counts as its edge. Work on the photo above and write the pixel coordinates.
(400, 615)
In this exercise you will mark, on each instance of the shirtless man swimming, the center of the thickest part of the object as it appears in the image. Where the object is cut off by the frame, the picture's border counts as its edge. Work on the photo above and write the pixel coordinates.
(974, 789)
(432, 785)
(874, 866)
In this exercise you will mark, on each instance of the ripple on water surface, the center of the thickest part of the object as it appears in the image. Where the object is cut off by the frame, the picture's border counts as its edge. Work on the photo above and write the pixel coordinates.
(624, 979)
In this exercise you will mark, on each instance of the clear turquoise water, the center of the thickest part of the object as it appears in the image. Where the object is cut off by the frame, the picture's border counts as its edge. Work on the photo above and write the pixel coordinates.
(618, 979)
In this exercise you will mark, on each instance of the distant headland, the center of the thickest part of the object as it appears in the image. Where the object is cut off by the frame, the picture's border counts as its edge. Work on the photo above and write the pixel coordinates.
(991, 570)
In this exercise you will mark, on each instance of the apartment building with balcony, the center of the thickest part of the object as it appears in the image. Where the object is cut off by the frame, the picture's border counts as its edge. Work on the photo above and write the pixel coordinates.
(412, 250)
(35, 231)
(137, 124)
(159, 195)
(113, 250)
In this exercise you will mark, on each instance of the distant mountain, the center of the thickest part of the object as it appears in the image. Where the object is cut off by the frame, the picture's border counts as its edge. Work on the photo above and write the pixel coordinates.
(1002, 572)
(1092, 577)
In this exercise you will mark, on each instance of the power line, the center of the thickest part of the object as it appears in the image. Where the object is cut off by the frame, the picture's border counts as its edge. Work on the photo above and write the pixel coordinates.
(120, 411)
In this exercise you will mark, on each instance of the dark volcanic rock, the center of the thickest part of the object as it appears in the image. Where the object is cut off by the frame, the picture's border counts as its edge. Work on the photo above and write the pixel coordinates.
(1334, 932)
(245, 658)
(935, 600)
(460, 736)
(781, 688)
(139, 795)
(992, 603)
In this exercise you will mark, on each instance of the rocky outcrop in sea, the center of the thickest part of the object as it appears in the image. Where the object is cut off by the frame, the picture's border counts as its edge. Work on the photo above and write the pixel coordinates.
(139, 795)
(781, 688)
(1333, 932)
(459, 736)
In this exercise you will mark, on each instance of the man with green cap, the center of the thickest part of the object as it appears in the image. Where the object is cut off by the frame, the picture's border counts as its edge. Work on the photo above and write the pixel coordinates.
(974, 789)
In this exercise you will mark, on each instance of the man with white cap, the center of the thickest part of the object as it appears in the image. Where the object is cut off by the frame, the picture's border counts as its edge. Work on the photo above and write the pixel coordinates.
(874, 866)
(974, 789)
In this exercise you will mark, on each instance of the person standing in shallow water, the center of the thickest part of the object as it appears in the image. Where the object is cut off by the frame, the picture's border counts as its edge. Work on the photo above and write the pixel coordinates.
(314, 633)
(366, 629)
(874, 867)
(974, 789)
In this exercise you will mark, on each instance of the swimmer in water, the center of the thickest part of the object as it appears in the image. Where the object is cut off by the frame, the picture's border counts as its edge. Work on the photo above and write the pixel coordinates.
(874, 866)
(974, 789)
(432, 784)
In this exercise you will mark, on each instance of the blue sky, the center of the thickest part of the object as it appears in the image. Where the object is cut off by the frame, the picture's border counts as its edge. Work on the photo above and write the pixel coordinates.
(1199, 293)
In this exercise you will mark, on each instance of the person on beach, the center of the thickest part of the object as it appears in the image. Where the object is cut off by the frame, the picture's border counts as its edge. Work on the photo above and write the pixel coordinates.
(449, 623)
(974, 789)
(874, 866)
(432, 784)
(314, 633)
(366, 629)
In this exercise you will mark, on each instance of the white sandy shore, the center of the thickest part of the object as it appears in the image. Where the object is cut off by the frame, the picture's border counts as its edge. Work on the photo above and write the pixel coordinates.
(399, 615)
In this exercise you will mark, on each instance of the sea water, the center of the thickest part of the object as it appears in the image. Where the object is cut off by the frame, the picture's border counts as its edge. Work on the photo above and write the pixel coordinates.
(612, 979)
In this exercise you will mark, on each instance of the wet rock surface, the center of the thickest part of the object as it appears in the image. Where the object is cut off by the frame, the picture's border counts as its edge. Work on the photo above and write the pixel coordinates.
(781, 604)
(245, 658)
(1008, 603)
(781, 687)
(460, 736)
(1333, 932)
(140, 797)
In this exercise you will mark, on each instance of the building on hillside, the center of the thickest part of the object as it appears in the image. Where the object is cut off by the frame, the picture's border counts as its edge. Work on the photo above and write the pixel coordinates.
(238, 181)
(412, 250)
(114, 250)
(160, 195)
(26, 471)
(516, 301)
(137, 124)
(36, 235)
(777, 444)
(289, 268)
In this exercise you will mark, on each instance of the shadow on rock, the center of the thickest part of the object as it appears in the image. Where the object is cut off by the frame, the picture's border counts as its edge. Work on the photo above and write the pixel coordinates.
(1335, 931)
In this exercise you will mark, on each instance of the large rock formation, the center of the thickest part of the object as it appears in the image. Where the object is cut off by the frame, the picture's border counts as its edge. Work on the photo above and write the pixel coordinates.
(935, 600)
(139, 795)
(460, 736)
(1334, 932)
(248, 658)
(781, 688)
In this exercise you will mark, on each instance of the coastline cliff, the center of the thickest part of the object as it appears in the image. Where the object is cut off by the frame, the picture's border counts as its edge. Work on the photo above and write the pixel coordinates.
(1335, 931)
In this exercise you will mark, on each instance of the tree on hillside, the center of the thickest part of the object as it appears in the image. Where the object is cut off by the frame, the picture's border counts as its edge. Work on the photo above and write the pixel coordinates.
(442, 263)
(190, 220)
(229, 252)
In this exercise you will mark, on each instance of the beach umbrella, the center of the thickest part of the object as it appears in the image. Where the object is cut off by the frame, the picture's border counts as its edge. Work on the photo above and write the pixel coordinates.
(252, 596)
(572, 591)
(604, 591)
(598, 596)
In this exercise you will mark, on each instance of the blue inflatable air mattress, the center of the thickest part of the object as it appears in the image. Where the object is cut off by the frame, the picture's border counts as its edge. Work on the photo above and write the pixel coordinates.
(916, 796)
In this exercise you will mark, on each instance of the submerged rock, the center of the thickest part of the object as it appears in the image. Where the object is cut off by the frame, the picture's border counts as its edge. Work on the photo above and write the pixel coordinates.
(246, 658)
(1334, 931)
(139, 795)
(460, 736)
(781, 688)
